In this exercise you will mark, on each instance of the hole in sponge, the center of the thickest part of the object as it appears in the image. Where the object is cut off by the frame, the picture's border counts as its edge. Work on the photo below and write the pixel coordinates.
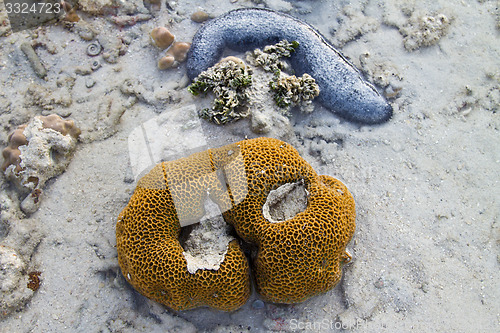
(285, 202)
(205, 243)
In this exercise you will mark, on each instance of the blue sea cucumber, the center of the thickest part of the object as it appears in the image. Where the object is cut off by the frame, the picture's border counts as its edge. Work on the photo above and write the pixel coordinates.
(342, 87)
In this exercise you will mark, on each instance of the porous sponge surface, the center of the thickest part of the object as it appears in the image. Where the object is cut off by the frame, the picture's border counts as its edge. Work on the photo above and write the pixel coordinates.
(302, 256)
(296, 258)
(150, 254)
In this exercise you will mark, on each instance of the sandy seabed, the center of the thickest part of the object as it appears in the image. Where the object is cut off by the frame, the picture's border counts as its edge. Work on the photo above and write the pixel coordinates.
(426, 183)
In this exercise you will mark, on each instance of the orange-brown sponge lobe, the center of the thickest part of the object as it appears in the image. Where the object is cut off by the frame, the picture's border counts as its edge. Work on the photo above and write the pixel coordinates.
(150, 254)
(299, 254)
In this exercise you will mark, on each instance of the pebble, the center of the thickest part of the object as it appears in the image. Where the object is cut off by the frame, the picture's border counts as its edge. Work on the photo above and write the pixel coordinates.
(89, 82)
(179, 50)
(83, 70)
(166, 62)
(200, 16)
(258, 304)
(379, 284)
(129, 176)
(162, 37)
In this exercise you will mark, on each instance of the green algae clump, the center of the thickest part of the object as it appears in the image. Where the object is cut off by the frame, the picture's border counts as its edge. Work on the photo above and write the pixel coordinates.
(292, 90)
(227, 80)
(270, 57)
(241, 88)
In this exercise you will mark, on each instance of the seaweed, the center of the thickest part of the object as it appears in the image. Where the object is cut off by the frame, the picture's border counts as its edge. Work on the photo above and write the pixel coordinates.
(292, 90)
(270, 58)
(228, 81)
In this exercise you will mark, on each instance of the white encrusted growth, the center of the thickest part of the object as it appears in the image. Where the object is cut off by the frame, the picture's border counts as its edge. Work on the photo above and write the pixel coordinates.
(354, 23)
(424, 30)
(46, 155)
(419, 28)
(207, 244)
(12, 291)
(285, 202)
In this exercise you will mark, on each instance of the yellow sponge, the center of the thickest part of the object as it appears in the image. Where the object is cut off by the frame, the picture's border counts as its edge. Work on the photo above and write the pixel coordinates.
(299, 252)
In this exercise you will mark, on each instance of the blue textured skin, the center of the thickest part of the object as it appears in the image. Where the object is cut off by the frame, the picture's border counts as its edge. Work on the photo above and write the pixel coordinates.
(342, 88)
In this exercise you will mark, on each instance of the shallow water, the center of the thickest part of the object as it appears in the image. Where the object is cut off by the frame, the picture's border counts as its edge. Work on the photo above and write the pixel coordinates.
(425, 249)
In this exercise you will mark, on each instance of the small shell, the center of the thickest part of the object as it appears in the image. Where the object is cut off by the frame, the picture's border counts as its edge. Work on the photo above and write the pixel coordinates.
(94, 49)
(95, 65)
(162, 37)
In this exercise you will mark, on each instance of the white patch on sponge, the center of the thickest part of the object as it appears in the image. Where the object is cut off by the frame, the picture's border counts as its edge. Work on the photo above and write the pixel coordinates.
(285, 202)
(207, 244)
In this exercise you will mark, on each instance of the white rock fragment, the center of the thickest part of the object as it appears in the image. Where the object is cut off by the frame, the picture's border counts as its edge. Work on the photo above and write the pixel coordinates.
(38, 151)
(46, 155)
(12, 291)
(11, 265)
